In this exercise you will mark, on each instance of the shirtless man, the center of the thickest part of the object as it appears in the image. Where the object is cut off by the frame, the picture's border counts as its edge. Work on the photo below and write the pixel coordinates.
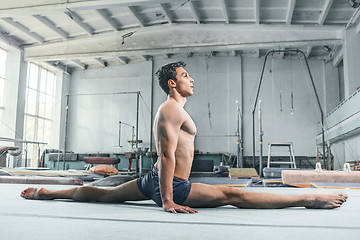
(167, 183)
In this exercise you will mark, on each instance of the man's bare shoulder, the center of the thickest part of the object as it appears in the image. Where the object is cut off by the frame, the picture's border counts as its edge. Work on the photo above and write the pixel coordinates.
(171, 110)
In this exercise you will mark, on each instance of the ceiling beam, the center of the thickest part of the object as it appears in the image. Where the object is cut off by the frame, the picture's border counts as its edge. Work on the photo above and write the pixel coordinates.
(356, 16)
(194, 12)
(325, 11)
(4, 36)
(257, 11)
(203, 38)
(290, 11)
(257, 53)
(225, 10)
(308, 51)
(76, 19)
(107, 19)
(122, 60)
(232, 53)
(146, 57)
(100, 62)
(338, 57)
(52, 26)
(136, 15)
(167, 13)
(58, 66)
(23, 29)
(21, 8)
(329, 56)
(210, 54)
(77, 63)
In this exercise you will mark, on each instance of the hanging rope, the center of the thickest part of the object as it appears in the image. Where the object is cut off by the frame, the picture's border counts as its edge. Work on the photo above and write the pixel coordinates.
(144, 102)
(206, 64)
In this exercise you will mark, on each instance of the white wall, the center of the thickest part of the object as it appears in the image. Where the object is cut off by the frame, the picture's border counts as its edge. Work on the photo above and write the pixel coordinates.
(279, 124)
(347, 149)
(213, 108)
(332, 92)
(94, 119)
(11, 86)
(218, 84)
(351, 61)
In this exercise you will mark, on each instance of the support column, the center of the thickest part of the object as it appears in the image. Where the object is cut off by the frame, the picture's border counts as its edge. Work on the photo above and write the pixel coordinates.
(21, 98)
(351, 61)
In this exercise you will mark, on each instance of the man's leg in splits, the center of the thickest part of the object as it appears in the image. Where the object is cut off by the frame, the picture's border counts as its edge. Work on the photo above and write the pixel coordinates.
(203, 195)
(128, 191)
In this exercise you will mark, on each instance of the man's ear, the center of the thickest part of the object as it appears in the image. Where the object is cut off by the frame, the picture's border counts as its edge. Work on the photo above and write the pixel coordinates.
(171, 83)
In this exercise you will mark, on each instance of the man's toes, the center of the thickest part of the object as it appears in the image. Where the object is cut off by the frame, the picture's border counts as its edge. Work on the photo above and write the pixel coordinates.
(344, 196)
(23, 193)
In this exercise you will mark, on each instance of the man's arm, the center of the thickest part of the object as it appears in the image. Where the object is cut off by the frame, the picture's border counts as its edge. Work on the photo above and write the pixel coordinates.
(168, 129)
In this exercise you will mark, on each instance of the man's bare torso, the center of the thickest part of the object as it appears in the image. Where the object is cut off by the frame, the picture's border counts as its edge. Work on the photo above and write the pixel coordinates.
(184, 151)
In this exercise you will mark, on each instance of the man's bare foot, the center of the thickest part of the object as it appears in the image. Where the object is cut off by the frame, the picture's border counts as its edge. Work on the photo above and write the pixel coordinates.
(35, 193)
(325, 200)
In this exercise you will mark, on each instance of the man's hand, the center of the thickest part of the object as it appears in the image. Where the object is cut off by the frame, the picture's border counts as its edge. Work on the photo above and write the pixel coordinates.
(175, 208)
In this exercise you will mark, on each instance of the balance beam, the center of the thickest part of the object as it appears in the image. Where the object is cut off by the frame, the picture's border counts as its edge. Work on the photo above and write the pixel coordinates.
(305, 178)
(336, 185)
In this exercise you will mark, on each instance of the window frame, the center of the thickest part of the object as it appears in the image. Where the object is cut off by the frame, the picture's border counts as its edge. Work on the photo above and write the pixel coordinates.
(2, 79)
(35, 118)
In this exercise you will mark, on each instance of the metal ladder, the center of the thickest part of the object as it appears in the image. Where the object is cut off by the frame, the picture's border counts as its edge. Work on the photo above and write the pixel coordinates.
(291, 151)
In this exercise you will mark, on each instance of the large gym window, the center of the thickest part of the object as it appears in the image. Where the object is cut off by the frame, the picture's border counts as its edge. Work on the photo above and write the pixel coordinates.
(40, 99)
(2, 76)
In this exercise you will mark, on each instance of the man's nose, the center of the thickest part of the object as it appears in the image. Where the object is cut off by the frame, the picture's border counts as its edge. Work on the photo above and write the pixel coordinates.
(191, 80)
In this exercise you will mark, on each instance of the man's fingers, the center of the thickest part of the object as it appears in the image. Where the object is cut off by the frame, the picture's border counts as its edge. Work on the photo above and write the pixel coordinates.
(183, 210)
(180, 209)
(191, 210)
(171, 210)
(187, 210)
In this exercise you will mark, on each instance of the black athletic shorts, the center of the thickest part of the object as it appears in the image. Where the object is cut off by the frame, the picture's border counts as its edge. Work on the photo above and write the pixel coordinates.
(149, 187)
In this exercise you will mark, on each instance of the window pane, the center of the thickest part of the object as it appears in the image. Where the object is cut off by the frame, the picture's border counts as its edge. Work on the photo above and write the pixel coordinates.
(31, 156)
(49, 106)
(50, 88)
(43, 80)
(1, 91)
(42, 99)
(2, 63)
(31, 102)
(2, 74)
(33, 76)
(29, 128)
(40, 136)
(47, 131)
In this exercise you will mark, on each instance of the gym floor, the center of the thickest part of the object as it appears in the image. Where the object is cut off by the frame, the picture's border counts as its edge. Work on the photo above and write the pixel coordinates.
(65, 219)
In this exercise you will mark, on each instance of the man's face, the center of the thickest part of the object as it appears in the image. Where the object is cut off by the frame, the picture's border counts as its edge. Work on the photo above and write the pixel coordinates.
(184, 83)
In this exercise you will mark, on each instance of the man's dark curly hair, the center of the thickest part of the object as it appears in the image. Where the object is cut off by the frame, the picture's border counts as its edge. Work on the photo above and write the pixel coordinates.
(167, 72)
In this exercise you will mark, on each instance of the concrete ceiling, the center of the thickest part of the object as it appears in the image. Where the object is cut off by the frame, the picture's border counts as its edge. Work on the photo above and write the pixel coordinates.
(81, 34)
